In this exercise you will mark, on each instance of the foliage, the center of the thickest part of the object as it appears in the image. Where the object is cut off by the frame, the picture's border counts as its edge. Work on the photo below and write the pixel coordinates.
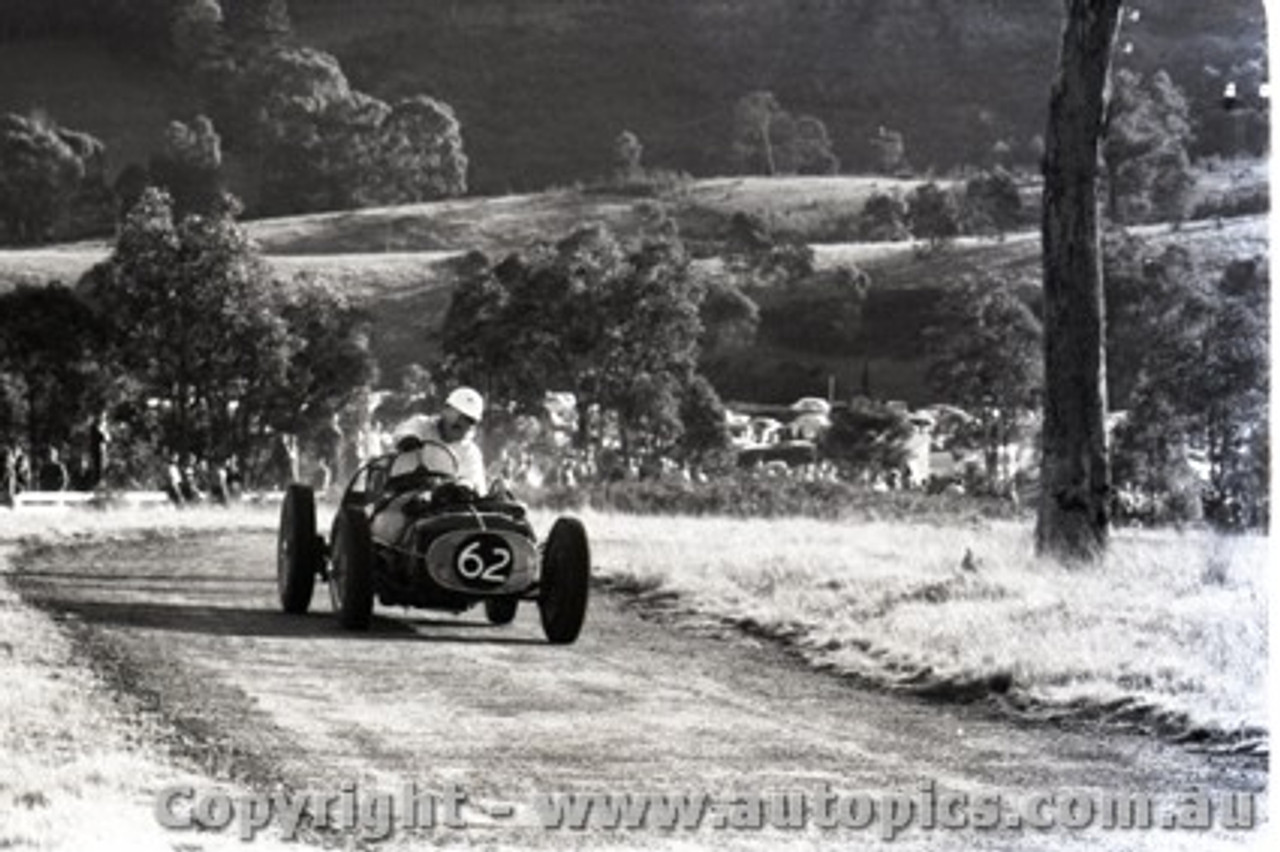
(196, 31)
(992, 203)
(189, 166)
(326, 145)
(883, 219)
(628, 155)
(416, 155)
(419, 391)
(1199, 385)
(616, 326)
(932, 215)
(42, 169)
(748, 495)
(820, 313)
(730, 318)
(1147, 289)
(191, 311)
(1149, 132)
(329, 358)
(220, 354)
(867, 437)
(675, 71)
(767, 139)
(127, 190)
(757, 261)
(988, 360)
(890, 151)
(259, 21)
(52, 373)
(705, 439)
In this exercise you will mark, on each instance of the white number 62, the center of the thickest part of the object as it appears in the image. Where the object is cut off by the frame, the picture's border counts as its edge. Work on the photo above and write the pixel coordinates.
(471, 564)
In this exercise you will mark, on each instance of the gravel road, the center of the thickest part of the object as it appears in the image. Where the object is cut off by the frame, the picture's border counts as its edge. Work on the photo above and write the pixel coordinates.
(187, 630)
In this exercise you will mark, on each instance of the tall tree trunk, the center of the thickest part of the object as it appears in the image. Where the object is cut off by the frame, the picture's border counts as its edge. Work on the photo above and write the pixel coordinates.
(1075, 477)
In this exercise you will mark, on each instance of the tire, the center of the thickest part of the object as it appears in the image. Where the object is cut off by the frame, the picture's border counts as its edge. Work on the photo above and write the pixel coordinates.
(501, 611)
(351, 571)
(566, 578)
(297, 553)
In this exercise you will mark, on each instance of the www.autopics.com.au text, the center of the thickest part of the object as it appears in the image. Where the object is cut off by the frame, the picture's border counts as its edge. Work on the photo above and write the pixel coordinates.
(375, 814)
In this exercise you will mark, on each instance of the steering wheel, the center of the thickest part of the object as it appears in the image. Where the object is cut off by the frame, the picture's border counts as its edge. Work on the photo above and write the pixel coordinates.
(430, 447)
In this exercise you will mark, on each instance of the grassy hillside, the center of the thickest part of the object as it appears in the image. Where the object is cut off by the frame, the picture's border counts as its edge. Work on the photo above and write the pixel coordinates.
(904, 297)
(398, 261)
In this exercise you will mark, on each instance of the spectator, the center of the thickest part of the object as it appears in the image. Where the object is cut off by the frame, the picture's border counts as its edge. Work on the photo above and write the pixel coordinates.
(21, 470)
(322, 476)
(173, 481)
(189, 482)
(99, 442)
(234, 479)
(217, 484)
(329, 447)
(284, 460)
(53, 473)
(8, 475)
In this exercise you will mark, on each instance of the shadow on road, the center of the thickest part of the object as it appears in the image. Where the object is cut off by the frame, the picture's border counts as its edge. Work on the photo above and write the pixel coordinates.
(267, 623)
(184, 578)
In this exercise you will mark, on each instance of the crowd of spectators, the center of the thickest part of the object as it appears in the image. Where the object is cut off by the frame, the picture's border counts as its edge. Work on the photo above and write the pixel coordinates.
(53, 468)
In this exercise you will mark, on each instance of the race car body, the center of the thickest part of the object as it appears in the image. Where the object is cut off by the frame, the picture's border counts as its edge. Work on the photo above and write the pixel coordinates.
(407, 534)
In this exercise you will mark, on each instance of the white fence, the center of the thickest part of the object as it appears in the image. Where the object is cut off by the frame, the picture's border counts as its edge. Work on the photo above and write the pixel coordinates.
(46, 500)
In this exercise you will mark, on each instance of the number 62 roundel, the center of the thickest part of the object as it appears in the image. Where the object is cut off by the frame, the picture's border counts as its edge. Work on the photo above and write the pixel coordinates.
(483, 560)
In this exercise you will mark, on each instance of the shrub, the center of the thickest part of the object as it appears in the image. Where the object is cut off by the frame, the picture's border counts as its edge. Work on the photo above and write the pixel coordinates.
(749, 495)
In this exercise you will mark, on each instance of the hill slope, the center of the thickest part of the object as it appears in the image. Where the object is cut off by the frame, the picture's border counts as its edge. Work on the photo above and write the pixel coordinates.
(398, 262)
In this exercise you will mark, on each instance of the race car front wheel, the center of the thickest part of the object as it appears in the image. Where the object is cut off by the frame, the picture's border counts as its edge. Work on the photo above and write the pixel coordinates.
(351, 571)
(566, 577)
(297, 554)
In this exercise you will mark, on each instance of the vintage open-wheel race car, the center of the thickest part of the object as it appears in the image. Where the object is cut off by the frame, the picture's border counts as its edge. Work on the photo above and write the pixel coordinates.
(408, 534)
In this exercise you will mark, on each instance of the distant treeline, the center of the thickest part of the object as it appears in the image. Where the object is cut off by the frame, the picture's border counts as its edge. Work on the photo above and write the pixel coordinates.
(542, 86)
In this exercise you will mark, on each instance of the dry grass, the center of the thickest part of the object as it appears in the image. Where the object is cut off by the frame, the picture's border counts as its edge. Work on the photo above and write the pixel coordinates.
(491, 224)
(1172, 625)
(55, 525)
(77, 774)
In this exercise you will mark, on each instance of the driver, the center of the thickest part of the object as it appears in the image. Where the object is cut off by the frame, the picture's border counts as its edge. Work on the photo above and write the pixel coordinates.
(455, 427)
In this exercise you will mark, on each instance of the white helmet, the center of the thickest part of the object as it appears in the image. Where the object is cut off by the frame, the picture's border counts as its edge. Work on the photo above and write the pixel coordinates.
(466, 401)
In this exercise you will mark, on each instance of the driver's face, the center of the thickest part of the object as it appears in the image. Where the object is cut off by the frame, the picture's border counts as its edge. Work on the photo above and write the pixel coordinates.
(454, 425)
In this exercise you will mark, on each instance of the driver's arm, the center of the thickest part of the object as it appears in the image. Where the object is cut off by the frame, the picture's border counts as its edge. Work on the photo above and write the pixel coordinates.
(470, 466)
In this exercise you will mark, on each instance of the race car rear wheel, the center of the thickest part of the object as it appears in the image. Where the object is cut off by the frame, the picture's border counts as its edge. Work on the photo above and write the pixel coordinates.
(297, 554)
(566, 577)
(501, 611)
(351, 571)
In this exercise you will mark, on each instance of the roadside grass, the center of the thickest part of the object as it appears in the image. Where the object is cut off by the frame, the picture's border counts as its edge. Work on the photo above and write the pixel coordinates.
(53, 526)
(72, 777)
(1169, 633)
(80, 772)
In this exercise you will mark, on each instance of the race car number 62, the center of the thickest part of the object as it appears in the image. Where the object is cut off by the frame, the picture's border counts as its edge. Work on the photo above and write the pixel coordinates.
(471, 563)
